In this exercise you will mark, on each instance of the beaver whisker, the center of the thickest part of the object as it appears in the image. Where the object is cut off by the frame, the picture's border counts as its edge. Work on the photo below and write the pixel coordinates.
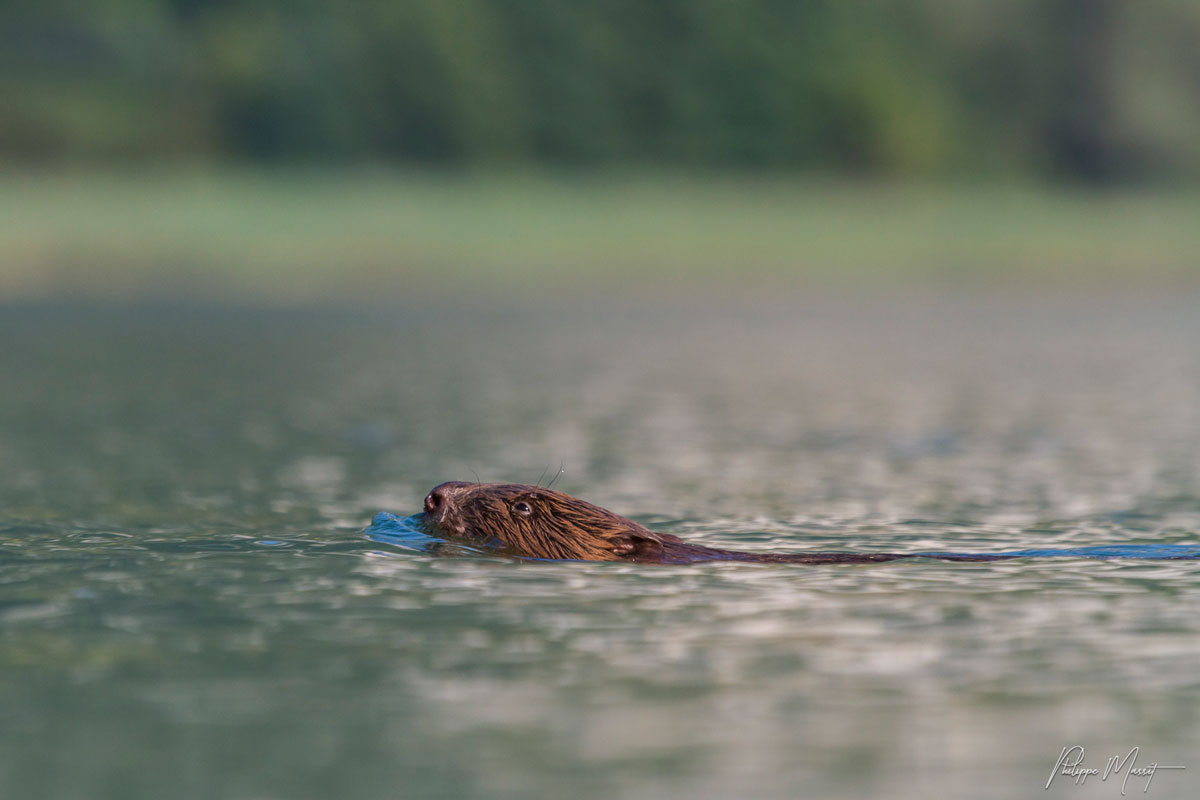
(554, 480)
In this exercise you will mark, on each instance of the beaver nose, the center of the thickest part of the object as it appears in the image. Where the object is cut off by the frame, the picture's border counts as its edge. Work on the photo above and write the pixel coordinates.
(443, 495)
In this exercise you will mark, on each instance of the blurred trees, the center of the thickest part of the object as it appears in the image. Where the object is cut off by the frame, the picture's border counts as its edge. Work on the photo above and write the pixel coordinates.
(1091, 89)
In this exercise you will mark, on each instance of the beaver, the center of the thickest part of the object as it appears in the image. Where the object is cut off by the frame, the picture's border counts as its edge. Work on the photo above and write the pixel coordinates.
(542, 523)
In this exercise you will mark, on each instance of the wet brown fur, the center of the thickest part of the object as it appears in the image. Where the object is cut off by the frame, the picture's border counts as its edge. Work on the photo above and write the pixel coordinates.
(532, 522)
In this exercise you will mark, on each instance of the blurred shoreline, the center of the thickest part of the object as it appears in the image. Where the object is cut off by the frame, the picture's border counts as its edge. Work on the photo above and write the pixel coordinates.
(297, 236)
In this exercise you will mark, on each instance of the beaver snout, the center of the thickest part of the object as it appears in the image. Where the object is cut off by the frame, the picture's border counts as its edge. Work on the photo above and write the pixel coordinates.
(443, 504)
(433, 501)
(442, 494)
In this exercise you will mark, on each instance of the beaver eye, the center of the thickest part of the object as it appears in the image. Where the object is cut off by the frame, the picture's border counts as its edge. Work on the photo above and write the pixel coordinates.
(522, 508)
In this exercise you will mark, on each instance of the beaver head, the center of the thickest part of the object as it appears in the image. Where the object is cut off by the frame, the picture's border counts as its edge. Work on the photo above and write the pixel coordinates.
(539, 523)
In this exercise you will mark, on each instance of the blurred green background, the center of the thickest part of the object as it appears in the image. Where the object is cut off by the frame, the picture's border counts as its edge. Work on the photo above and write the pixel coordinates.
(293, 149)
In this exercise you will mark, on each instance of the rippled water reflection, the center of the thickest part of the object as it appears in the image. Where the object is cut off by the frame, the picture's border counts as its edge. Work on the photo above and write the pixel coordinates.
(190, 608)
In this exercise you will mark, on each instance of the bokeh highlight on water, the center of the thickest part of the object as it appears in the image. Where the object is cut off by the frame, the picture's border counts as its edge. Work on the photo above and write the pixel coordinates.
(191, 605)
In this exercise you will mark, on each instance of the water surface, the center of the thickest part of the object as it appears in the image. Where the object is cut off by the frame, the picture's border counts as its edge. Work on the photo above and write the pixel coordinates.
(190, 606)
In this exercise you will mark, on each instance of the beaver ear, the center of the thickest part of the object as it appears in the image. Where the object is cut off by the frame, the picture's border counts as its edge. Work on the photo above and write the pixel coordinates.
(637, 546)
